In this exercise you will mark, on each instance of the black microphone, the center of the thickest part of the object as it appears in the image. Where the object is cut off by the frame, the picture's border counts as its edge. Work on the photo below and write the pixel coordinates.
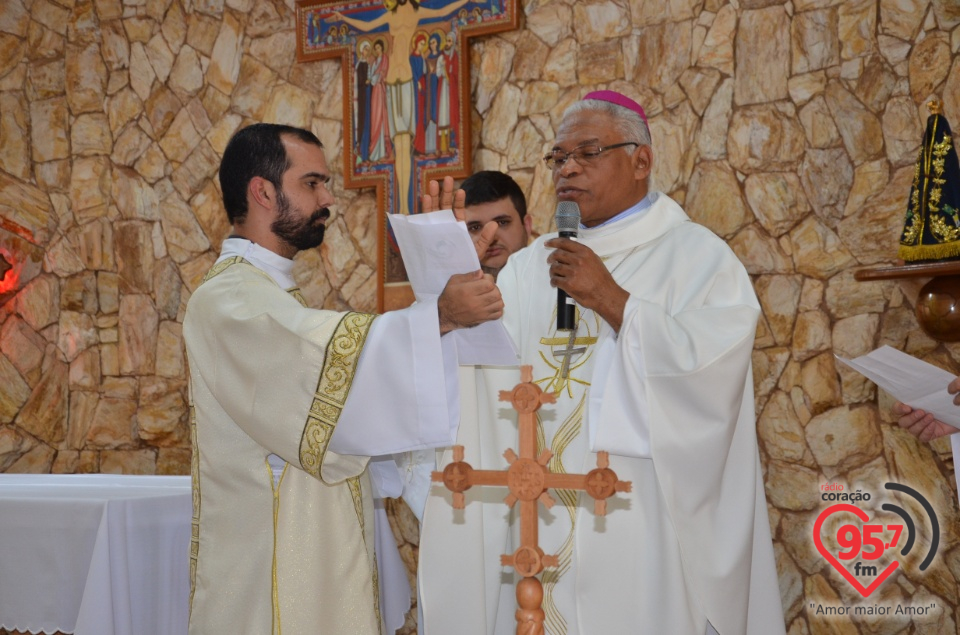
(568, 224)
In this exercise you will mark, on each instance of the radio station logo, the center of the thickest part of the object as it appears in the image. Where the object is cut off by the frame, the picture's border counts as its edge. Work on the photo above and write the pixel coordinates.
(863, 540)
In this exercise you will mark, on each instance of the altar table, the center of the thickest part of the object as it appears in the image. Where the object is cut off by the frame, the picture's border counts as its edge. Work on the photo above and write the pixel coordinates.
(95, 554)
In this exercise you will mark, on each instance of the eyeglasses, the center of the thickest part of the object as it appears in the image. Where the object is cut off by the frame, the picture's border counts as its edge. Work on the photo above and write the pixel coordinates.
(584, 155)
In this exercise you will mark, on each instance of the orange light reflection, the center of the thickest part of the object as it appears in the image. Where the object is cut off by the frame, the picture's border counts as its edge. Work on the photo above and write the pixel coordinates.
(10, 279)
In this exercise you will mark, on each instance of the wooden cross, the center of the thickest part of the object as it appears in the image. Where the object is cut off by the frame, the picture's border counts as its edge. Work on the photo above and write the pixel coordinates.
(528, 479)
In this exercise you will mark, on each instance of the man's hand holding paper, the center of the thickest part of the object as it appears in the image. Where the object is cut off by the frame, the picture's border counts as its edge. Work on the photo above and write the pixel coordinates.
(924, 425)
(469, 299)
(924, 393)
(436, 246)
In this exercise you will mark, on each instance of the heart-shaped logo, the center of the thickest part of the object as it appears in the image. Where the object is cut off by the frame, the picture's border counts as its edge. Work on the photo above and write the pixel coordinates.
(818, 541)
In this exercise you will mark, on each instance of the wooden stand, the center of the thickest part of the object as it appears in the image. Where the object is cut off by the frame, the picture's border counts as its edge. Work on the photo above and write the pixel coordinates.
(528, 479)
(938, 303)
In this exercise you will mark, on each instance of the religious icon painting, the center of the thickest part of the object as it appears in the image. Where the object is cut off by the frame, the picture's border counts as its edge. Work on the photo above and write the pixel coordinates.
(931, 232)
(406, 86)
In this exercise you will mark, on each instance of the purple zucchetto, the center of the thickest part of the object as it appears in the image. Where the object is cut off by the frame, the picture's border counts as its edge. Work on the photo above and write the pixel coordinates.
(619, 99)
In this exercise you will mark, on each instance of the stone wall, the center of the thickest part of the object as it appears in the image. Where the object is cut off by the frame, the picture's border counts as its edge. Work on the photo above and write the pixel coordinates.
(789, 128)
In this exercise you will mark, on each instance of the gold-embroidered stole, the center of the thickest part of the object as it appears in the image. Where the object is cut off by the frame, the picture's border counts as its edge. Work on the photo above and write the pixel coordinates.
(333, 387)
(565, 353)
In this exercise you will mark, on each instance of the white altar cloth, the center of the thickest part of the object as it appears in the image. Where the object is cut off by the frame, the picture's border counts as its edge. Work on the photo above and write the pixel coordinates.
(95, 554)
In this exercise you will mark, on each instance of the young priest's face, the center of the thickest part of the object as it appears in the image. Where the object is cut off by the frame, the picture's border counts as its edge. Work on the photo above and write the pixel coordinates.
(303, 200)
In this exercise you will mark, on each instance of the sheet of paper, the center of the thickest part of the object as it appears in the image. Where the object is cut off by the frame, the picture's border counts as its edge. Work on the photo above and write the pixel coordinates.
(910, 380)
(435, 246)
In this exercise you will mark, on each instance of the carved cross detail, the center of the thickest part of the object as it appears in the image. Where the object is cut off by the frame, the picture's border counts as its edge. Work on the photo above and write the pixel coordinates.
(528, 479)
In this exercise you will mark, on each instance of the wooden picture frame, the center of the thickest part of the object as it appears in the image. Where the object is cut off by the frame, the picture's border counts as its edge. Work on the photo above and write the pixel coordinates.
(406, 106)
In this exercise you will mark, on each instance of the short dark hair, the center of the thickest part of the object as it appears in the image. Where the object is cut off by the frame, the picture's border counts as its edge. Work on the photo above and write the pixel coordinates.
(256, 150)
(489, 186)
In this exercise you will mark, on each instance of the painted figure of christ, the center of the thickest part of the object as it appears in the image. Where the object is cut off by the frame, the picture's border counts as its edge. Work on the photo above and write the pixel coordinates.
(402, 19)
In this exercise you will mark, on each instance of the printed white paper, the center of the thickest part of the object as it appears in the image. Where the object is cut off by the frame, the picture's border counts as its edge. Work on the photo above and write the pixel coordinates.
(914, 382)
(435, 246)
(910, 380)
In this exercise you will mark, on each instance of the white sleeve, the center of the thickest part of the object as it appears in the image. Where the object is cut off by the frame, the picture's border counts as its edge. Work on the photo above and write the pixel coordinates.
(415, 469)
(405, 394)
(618, 416)
(385, 476)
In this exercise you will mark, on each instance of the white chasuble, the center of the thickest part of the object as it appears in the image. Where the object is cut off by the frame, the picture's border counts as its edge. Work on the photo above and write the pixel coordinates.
(292, 549)
(689, 549)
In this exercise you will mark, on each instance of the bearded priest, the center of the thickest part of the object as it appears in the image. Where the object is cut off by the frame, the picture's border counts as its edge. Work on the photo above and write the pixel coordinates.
(289, 404)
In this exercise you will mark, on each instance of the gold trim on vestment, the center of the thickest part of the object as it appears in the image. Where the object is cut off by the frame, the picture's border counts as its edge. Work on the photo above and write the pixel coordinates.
(195, 495)
(219, 267)
(336, 378)
(275, 586)
(579, 342)
(356, 491)
(298, 295)
(569, 499)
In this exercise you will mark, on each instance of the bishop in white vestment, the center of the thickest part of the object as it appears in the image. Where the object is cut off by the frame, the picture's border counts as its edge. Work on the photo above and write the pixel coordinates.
(662, 382)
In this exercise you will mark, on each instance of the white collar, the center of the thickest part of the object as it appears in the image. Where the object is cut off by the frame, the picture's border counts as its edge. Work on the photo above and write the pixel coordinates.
(640, 206)
(637, 229)
(272, 264)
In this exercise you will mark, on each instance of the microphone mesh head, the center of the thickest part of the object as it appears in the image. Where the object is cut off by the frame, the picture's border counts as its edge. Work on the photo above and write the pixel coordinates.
(567, 217)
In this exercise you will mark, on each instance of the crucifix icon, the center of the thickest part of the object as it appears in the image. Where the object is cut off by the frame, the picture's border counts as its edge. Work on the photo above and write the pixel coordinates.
(528, 479)
(406, 98)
